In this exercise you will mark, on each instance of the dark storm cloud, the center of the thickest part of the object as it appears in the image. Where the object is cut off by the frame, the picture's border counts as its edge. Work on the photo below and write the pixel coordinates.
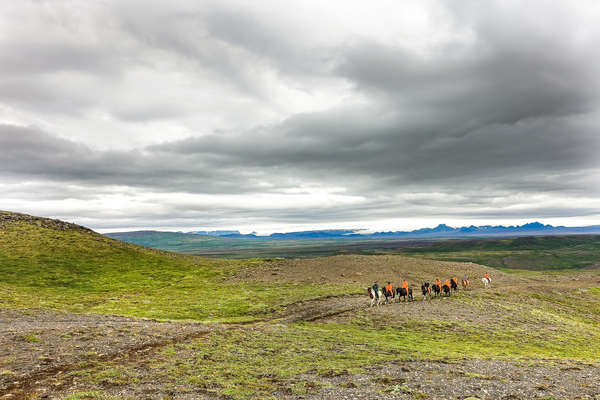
(30, 152)
(504, 110)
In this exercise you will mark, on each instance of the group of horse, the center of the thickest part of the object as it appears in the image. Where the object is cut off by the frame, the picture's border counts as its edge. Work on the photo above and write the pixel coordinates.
(385, 296)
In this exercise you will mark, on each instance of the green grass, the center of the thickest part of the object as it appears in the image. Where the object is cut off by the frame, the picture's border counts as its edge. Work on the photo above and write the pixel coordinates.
(544, 253)
(31, 338)
(80, 271)
(262, 360)
(240, 362)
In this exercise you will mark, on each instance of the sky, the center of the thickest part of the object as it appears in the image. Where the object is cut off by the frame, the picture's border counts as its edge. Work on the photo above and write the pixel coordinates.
(279, 116)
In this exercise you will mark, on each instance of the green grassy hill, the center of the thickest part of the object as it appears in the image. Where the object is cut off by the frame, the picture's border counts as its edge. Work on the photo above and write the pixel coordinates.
(47, 263)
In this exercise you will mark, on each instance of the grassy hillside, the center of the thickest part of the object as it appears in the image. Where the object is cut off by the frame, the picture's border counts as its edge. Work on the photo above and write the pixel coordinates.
(50, 264)
(540, 330)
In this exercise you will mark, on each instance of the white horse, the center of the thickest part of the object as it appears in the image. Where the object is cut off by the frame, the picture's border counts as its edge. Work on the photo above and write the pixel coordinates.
(486, 282)
(375, 300)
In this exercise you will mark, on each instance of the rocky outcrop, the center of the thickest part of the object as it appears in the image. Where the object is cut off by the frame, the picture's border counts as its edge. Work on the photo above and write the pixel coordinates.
(8, 218)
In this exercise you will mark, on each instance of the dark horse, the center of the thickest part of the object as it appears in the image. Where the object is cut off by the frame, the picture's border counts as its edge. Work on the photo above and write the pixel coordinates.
(389, 296)
(426, 290)
(446, 290)
(401, 292)
(436, 289)
(453, 285)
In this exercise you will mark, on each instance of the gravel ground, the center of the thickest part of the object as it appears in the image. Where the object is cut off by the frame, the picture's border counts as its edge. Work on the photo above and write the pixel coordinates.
(37, 343)
(367, 269)
(482, 379)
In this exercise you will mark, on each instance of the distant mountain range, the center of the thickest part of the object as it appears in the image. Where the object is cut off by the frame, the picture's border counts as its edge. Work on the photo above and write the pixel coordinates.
(442, 230)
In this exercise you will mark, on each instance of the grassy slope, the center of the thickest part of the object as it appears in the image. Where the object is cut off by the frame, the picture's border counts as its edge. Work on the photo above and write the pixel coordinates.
(81, 271)
(553, 327)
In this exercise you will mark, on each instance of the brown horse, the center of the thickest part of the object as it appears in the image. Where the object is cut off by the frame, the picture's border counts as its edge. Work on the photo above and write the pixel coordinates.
(465, 283)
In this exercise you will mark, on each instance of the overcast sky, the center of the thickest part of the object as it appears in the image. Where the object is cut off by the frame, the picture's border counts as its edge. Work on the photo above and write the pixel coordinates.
(278, 116)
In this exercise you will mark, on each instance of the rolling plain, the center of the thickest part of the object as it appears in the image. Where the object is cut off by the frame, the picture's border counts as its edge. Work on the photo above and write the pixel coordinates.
(84, 316)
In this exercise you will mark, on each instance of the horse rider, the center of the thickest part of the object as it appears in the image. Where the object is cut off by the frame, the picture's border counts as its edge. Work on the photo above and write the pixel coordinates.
(405, 286)
(375, 288)
(388, 288)
(455, 280)
(439, 283)
(487, 276)
(447, 283)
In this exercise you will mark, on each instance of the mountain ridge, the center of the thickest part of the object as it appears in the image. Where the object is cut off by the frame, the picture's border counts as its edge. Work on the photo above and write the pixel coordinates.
(441, 230)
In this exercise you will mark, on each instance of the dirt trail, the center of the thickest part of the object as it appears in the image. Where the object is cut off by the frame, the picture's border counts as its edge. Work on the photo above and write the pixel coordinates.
(365, 270)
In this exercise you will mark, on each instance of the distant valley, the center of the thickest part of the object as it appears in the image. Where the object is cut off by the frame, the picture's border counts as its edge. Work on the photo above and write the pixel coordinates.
(531, 246)
(440, 231)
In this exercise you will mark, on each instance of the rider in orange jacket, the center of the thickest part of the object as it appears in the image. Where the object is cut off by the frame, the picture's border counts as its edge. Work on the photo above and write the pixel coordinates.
(388, 288)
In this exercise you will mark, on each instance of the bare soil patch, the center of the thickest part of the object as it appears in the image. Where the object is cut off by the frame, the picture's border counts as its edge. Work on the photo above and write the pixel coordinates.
(365, 270)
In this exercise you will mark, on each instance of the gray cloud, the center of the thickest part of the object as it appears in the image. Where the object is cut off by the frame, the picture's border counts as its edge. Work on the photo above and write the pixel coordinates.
(497, 120)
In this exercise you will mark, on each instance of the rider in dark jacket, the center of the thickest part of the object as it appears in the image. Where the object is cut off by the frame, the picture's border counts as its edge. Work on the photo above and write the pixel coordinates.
(376, 289)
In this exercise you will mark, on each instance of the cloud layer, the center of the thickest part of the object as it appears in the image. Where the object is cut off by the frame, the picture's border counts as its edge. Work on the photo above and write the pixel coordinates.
(223, 114)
